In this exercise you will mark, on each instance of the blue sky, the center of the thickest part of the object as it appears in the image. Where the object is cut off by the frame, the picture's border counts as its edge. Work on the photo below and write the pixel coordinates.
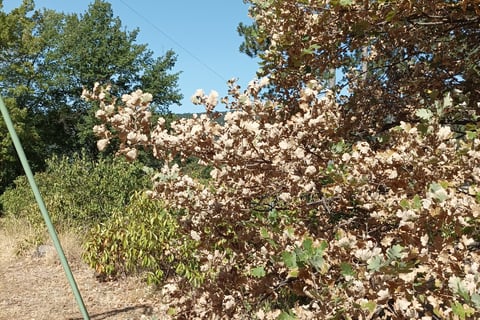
(202, 33)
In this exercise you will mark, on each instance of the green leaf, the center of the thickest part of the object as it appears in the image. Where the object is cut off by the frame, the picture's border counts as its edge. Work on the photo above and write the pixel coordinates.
(434, 187)
(346, 2)
(264, 233)
(318, 262)
(338, 147)
(346, 269)
(438, 191)
(424, 114)
(405, 204)
(390, 15)
(302, 256)
(323, 246)
(417, 202)
(369, 305)
(395, 252)
(457, 285)
(476, 300)
(286, 316)
(290, 231)
(471, 135)
(293, 273)
(289, 259)
(307, 245)
(307, 52)
(375, 263)
(423, 128)
(444, 184)
(461, 311)
(258, 272)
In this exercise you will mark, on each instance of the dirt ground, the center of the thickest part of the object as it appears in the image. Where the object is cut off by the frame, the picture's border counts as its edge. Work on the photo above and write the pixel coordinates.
(36, 288)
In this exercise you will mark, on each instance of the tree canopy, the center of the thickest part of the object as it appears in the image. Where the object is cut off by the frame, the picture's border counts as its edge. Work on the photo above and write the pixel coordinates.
(48, 58)
(395, 56)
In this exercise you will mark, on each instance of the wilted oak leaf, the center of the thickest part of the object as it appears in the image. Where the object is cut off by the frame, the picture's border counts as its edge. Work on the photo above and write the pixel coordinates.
(102, 144)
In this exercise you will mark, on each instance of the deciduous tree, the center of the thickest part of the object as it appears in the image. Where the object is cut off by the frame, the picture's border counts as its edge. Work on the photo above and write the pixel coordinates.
(395, 56)
(48, 57)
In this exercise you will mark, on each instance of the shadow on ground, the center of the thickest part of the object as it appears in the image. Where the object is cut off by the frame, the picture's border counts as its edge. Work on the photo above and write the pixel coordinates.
(144, 309)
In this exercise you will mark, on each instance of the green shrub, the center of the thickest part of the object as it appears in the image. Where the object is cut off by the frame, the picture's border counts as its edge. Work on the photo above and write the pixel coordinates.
(78, 192)
(192, 168)
(144, 238)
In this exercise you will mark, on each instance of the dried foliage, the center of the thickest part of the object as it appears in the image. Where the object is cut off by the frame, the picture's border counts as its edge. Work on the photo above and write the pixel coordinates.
(394, 55)
(301, 220)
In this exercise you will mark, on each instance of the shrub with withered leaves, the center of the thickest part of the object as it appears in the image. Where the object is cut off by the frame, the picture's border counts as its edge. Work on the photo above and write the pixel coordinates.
(305, 215)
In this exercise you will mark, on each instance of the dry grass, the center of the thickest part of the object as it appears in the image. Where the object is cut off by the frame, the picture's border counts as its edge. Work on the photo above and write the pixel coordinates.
(33, 287)
(20, 238)
(15, 236)
(71, 245)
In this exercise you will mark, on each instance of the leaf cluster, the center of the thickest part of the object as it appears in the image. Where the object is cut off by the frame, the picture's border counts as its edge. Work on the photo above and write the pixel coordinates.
(144, 238)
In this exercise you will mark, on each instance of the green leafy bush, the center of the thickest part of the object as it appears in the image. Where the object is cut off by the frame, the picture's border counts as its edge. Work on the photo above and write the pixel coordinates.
(144, 238)
(77, 191)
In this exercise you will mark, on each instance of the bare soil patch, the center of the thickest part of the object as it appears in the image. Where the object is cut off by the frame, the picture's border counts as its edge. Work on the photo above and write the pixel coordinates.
(35, 287)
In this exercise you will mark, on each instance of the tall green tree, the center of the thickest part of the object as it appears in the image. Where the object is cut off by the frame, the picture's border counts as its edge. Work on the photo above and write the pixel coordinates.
(18, 51)
(252, 44)
(49, 57)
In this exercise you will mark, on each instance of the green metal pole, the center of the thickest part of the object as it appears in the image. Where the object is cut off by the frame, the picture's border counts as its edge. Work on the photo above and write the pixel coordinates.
(43, 209)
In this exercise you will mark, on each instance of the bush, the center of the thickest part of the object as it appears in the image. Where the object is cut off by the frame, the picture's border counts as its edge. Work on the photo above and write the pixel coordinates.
(144, 238)
(78, 192)
(299, 220)
(322, 204)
